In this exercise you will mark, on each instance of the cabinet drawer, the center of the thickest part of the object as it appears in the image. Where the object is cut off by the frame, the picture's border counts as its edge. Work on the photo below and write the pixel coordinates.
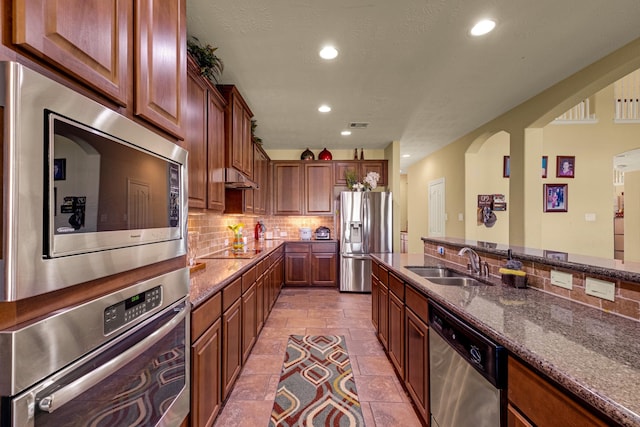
(205, 315)
(297, 247)
(325, 247)
(231, 293)
(396, 285)
(383, 275)
(249, 278)
(417, 303)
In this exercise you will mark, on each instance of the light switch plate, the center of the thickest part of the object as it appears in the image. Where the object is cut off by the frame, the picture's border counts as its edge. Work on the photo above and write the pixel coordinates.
(589, 217)
(601, 289)
(460, 217)
(562, 279)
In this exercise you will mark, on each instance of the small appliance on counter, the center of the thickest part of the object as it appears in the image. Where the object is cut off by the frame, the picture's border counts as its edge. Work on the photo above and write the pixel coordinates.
(305, 233)
(323, 233)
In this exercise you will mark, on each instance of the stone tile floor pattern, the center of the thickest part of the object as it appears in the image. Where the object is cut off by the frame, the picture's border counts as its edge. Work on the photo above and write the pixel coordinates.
(316, 312)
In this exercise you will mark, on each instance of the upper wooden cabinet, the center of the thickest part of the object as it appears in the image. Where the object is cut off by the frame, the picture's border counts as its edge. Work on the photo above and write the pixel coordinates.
(87, 38)
(303, 188)
(103, 42)
(204, 139)
(261, 176)
(361, 168)
(160, 62)
(238, 145)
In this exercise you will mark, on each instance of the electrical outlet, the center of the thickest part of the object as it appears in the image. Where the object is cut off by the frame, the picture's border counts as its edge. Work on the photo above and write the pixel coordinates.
(561, 279)
(600, 288)
(590, 217)
(441, 250)
(226, 242)
(460, 217)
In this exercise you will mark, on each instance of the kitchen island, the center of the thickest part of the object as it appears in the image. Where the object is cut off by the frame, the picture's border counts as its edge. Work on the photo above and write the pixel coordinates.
(591, 354)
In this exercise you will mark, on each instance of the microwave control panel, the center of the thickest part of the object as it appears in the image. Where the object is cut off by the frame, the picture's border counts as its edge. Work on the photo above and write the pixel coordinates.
(126, 311)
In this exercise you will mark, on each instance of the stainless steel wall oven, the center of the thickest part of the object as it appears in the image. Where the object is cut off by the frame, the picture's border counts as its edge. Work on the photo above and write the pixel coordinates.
(119, 360)
(87, 193)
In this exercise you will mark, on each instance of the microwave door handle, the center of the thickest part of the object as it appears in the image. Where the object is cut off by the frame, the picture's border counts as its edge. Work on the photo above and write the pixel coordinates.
(67, 393)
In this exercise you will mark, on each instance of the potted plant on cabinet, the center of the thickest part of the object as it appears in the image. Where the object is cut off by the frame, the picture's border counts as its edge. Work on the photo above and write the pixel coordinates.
(211, 66)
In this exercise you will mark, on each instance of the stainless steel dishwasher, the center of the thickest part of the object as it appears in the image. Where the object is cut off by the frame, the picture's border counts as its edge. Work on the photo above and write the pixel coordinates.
(467, 374)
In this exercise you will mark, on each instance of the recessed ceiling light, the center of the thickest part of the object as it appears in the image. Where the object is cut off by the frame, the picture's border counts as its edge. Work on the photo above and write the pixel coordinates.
(406, 155)
(483, 27)
(324, 108)
(345, 133)
(328, 52)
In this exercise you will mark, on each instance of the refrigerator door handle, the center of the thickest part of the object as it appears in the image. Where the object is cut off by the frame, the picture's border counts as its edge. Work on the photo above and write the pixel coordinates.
(366, 224)
(352, 256)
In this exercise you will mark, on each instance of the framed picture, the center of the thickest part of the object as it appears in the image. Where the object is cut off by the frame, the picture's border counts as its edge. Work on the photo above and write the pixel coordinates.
(560, 256)
(545, 161)
(506, 167)
(555, 197)
(565, 166)
(59, 169)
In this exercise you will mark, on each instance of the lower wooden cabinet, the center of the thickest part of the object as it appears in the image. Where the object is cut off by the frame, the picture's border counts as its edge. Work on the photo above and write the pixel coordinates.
(396, 337)
(231, 346)
(311, 264)
(417, 362)
(383, 313)
(206, 397)
(534, 401)
(375, 295)
(249, 321)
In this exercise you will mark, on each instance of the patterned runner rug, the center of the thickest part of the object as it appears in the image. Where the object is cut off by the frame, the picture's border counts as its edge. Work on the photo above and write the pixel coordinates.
(316, 385)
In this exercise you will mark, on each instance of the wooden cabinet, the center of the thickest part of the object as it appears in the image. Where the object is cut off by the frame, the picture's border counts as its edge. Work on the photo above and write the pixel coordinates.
(417, 351)
(249, 321)
(318, 188)
(375, 295)
(231, 335)
(297, 264)
(311, 264)
(160, 62)
(534, 400)
(396, 337)
(206, 335)
(361, 168)
(204, 139)
(238, 142)
(261, 176)
(383, 307)
(103, 42)
(288, 188)
(88, 39)
(303, 188)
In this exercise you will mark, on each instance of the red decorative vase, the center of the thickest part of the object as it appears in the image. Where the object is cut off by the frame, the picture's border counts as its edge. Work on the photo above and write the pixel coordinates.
(325, 155)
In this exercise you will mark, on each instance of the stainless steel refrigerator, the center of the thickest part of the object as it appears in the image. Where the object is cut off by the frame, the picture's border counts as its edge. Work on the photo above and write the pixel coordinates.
(366, 227)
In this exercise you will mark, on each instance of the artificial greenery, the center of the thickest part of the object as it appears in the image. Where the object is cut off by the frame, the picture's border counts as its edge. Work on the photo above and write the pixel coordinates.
(351, 177)
(210, 65)
(254, 125)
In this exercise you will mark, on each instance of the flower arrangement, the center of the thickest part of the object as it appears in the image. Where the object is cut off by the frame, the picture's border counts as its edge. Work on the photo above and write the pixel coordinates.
(370, 182)
(238, 243)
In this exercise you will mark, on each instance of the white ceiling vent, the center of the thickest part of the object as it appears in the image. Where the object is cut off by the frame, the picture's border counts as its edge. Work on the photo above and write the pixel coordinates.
(358, 125)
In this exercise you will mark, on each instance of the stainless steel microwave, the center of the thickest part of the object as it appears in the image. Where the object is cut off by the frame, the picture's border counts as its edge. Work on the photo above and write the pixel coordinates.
(87, 192)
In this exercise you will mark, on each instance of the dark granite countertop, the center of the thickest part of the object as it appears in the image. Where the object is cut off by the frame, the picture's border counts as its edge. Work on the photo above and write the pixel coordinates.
(593, 354)
(614, 268)
(218, 273)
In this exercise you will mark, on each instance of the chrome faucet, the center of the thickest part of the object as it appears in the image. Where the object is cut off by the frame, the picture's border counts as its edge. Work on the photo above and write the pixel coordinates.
(474, 259)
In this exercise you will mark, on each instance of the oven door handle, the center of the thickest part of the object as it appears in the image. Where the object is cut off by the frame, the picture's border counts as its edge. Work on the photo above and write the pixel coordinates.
(67, 393)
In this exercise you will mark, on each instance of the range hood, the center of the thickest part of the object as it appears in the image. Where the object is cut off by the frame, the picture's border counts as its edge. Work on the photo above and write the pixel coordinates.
(236, 180)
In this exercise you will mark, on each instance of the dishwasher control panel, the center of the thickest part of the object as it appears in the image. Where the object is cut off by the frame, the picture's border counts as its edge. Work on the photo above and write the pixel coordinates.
(484, 355)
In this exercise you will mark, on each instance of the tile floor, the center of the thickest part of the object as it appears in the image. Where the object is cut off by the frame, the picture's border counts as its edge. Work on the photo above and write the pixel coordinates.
(315, 312)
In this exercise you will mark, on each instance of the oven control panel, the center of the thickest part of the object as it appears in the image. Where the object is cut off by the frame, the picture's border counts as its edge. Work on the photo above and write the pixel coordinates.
(128, 310)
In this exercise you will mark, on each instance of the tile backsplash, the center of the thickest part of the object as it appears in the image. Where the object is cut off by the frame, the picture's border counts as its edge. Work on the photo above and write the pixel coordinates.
(211, 228)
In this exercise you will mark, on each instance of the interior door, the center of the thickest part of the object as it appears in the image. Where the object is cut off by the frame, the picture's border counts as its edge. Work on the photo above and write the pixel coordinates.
(437, 215)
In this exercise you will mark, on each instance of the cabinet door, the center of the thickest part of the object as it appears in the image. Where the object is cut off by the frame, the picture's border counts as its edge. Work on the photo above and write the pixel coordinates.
(324, 269)
(237, 133)
(516, 419)
(379, 166)
(383, 311)
(215, 148)
(318, 190)
(417, 362)
(87, 38)
(249, 320)
(232, 346)
(287, 186)
(205, 374)
(396, 333)
(161, 63)
(260, 297)
(196, 137)
(375, 295)
(247, 145)
(297, 269)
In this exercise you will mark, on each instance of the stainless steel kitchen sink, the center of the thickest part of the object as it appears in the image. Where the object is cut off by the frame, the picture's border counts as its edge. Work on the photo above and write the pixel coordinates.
(433, 271)
(454, 281)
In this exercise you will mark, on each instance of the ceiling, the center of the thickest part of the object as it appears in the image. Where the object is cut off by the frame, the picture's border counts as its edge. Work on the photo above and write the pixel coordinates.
(409, 68)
